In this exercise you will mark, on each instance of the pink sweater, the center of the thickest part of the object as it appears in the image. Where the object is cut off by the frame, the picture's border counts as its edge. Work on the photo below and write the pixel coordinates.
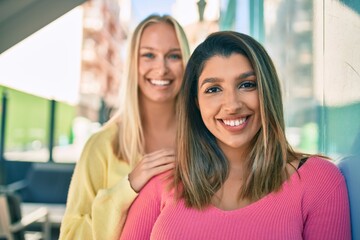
(311, 205)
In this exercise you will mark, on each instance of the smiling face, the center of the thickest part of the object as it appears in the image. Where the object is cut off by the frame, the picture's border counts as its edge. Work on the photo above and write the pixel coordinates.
(160, 63)
(229, 101)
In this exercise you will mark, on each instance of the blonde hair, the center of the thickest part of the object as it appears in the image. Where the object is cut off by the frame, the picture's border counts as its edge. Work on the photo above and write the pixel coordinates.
(129, 145)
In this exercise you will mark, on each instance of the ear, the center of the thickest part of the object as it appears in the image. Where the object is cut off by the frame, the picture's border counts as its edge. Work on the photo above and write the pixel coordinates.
(197, 102)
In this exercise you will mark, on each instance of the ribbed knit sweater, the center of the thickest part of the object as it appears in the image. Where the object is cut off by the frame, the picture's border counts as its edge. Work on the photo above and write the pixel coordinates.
(312, 204)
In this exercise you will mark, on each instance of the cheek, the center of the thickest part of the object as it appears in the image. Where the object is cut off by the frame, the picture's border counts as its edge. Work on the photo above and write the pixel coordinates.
(252, 101)
(178, 70)
(205, 110)
(143, 67)
(255, 105)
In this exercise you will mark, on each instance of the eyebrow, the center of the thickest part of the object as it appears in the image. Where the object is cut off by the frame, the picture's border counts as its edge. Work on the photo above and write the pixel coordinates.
(241, 76)
(153, 49)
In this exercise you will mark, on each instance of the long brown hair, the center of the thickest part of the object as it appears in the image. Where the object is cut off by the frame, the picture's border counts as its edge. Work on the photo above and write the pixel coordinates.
(202, 167)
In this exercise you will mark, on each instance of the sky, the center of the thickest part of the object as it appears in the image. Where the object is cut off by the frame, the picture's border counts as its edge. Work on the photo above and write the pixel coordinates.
(142, 8)
(185, 11)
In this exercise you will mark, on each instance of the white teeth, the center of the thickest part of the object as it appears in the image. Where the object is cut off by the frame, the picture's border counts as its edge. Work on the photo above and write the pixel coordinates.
(160, 82)
(236, 122)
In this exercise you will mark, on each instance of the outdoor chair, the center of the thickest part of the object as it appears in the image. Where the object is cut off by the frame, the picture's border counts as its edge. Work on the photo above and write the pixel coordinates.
(15, 226)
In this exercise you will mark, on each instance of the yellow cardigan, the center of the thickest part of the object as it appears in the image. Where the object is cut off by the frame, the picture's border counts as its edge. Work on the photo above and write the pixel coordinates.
(100, 193)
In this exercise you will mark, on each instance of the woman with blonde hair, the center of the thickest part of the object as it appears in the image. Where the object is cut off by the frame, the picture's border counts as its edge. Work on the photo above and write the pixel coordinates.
(139, 140)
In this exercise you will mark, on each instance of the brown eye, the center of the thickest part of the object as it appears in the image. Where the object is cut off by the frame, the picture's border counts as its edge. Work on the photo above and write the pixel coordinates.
(248, 85)
(212, 90)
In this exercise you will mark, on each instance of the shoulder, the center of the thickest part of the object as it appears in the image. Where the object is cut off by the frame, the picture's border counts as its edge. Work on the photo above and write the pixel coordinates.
(324, 191)
(105, 134)
(161, 180)
(320, 178)
(159, 184)
(321, 169)
(100, 143)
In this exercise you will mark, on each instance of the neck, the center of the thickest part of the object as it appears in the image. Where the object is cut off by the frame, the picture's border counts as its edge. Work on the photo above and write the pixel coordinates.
(157, 115)
(235, 156)
(159, 125)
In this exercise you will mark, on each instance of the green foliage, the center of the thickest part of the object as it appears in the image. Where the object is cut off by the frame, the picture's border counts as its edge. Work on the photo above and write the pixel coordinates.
(28, 117)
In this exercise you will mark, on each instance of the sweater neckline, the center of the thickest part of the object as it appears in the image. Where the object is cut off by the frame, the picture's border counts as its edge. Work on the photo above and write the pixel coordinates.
(294, 178)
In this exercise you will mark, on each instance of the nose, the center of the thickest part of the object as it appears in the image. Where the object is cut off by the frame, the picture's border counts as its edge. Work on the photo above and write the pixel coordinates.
(232, 102)
(161, 66)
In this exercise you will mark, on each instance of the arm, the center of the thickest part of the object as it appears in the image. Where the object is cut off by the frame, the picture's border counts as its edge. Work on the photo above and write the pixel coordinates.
(330, 217)
(99, 194)
(143, 212)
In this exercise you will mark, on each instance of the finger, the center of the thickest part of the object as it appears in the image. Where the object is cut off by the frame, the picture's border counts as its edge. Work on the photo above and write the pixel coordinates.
(158, 162)
(147, 165)
(157, 157)
(160, 169)
(159, 153)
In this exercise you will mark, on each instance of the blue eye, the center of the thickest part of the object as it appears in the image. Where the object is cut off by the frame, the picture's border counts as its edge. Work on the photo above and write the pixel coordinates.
(175, 56)
(148, 55)
(212, 90)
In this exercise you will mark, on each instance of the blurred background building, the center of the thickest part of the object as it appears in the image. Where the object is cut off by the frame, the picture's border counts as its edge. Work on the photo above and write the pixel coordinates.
(101, 62)
(63, 78)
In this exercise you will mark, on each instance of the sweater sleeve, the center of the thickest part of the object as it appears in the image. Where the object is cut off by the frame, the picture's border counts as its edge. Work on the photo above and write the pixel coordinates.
(94, 210)
(143, 212)
(329, 215)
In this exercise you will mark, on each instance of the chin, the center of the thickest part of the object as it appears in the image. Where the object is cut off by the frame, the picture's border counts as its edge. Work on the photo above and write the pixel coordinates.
(163, 99)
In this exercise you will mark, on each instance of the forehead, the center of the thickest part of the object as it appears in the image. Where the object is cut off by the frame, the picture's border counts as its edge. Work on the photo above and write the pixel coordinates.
(159, 34)
(231, 66)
